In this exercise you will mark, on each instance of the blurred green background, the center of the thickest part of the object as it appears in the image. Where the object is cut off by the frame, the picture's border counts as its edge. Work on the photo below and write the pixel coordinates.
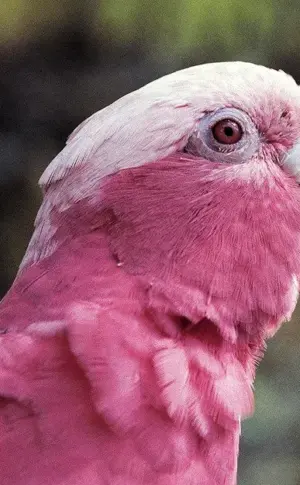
(61, 60)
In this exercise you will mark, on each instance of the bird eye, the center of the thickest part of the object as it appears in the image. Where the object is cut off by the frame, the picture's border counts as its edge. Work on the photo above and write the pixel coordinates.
(227, 132)
(227, 135)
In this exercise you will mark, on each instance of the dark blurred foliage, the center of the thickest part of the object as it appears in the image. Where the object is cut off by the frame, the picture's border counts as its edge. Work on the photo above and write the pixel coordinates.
(60, 61)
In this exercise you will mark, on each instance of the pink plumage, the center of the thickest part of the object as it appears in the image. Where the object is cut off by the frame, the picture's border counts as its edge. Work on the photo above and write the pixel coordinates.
(165, 253)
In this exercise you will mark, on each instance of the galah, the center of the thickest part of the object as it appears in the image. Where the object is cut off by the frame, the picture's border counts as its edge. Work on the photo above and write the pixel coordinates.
(166, 251)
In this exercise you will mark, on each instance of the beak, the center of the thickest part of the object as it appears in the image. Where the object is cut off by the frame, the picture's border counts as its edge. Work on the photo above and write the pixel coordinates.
(291, 162)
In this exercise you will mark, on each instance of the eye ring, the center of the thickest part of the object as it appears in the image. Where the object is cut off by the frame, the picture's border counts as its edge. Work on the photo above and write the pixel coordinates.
(210, 142)
(227, 131)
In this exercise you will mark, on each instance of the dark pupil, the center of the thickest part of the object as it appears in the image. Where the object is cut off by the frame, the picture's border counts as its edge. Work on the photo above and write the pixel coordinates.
(228, 131)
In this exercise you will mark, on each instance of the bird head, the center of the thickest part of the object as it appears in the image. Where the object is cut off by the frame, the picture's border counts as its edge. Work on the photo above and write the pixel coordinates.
(194, 176)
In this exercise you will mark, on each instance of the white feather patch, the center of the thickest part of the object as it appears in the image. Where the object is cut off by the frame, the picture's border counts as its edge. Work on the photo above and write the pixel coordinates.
(293, 295)
(47, 329)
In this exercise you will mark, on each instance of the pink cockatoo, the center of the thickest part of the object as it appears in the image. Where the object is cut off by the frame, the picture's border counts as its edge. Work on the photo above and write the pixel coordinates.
(166, 251)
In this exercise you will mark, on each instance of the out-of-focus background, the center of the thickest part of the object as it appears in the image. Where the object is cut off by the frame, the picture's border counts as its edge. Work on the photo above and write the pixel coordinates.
(61, 60)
